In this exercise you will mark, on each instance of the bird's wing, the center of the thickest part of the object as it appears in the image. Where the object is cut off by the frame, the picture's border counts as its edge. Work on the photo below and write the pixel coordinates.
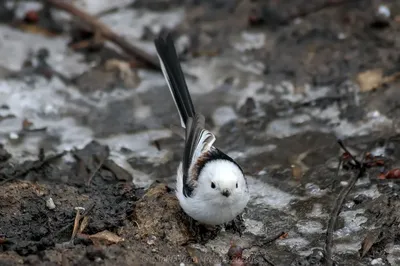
(198, 142)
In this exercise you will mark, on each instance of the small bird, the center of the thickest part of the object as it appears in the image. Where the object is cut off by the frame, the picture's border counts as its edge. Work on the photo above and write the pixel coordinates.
(210, 185)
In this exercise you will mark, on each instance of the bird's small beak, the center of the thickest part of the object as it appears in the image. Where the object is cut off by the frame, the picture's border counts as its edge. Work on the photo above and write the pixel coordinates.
(226, 193)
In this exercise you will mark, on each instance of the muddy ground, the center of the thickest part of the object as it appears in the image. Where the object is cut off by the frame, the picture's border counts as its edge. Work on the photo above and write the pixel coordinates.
(279, 82)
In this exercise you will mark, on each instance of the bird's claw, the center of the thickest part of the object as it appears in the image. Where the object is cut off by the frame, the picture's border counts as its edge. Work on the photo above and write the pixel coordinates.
(236, 225)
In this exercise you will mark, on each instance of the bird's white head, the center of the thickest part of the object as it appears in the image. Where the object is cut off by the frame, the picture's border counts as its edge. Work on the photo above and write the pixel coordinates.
(222, 180)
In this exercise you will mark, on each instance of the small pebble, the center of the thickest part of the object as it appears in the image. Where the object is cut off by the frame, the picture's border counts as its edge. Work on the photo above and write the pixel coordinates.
(300, 119)
(349, 204)
(314, 190)
(342, 36)
(297, 21)
(50, 204)
(377, 261)
(360, 199)
(262, 172)
(13, 135)
(344, 183)
(79, 209)
(151, 240)
(384, 11)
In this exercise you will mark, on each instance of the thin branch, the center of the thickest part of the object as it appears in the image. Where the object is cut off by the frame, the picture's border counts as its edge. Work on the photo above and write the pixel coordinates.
(98, 167)
(340, 142)
(339, 203)
(106, 32)
(268, 260)
(328, 4)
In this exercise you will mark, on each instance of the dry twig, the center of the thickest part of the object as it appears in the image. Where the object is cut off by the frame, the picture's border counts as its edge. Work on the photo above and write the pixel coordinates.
(306, 12)
(106, 32)
(339, 203)
(98, 167)
(77, 220)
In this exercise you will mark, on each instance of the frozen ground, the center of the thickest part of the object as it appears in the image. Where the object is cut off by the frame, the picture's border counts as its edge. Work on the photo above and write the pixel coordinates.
(277, 97)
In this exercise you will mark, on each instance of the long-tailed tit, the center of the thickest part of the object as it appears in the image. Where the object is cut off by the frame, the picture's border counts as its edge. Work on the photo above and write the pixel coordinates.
(211, 186)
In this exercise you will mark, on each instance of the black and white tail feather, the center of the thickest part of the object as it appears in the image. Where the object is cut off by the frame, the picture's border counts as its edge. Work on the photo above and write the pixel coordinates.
(198, 140)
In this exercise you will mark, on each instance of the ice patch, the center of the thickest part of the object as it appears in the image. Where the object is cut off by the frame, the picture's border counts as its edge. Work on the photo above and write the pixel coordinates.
(377, 262)
(16, 45)
(223, 115)
(300, 119)
(264, 194)
(252, 151)
(372, 123)
(317, 212)
(254, 227)
(371, 192)
(309, 227)
(138, 142)
(95, 7)
(330, 113)
(314, 190)
(293, 243)
(347, 248)
(307, 93)
(352, 223)
(393, 254)
(250, 41)
(282, 128)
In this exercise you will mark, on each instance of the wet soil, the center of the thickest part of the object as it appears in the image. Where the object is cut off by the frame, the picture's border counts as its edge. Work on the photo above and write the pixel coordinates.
(283, 135)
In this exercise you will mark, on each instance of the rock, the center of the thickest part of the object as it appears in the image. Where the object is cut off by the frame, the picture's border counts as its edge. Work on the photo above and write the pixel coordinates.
(11, 258)
(50, 204)
(159, 214)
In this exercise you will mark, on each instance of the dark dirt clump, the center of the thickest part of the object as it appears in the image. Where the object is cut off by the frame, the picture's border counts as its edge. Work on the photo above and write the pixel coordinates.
(29, 225)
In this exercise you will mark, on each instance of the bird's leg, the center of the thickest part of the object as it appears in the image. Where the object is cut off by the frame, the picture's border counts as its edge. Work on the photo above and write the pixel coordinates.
(193, 226)
(236, 225)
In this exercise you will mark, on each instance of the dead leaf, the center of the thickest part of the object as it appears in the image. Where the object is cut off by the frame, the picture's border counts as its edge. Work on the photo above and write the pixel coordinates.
(298, 167)
(26, 124)
(370, 79)
(296, 171)
(35, 29)
(32, 16)
(124, 71)
(369, 240)
(192, 253)
(284, 235)
(105, 238)
(76, 221)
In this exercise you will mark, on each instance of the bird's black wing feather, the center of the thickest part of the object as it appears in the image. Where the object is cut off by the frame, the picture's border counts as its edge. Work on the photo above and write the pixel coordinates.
(198, 142)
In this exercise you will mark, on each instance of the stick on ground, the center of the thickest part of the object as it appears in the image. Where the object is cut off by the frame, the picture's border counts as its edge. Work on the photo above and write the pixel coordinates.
(106, 32)
(338, 206)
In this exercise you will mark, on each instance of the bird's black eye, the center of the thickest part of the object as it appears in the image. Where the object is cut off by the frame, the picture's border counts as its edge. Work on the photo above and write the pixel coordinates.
(236, 185)
(212, 185)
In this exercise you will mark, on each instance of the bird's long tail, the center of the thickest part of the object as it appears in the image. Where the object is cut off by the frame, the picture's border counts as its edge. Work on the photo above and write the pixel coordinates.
(173, 74)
